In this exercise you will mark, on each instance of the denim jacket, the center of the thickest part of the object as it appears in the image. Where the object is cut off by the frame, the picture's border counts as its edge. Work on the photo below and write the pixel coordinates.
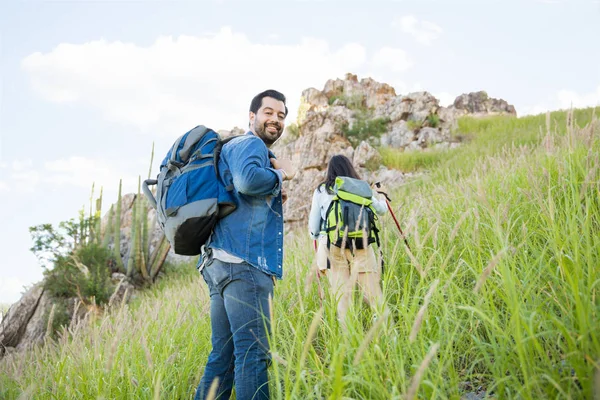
(254, 231)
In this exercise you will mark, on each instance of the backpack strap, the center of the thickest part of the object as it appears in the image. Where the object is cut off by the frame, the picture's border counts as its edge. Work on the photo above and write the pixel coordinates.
(334, 203)
(217, 155)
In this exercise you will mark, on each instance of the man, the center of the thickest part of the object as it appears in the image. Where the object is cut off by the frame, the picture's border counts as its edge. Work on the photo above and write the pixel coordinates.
(245, 255)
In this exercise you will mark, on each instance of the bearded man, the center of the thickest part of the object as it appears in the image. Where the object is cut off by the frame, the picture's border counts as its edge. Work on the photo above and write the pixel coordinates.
(244, 256)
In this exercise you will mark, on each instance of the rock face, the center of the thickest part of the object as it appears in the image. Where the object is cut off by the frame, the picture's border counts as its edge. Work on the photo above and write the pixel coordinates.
(480, 104)
(415, 121)
(23, 325)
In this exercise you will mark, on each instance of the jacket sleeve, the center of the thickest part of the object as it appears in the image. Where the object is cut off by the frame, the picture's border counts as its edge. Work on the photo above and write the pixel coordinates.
(379, 205)
(250, 168)
(314, 218)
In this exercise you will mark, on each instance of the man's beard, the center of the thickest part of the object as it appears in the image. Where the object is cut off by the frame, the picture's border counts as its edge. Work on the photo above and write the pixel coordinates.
(268, 137)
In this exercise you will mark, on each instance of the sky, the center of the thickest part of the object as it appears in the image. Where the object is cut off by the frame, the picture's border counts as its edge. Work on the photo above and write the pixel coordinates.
(87, 87)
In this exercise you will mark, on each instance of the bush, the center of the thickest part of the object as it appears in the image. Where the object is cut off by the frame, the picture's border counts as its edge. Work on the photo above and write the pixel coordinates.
(365, 128)
(85, 274)
(64, 280)
(353, 102)
(97, 283)
(60, 316)
(413, 125)
(433, 120)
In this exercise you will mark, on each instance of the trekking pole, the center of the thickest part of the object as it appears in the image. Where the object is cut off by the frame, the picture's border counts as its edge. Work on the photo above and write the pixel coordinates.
(387, 202)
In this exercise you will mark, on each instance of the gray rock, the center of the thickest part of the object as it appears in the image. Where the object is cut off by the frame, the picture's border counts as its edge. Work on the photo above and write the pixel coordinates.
(14, 324)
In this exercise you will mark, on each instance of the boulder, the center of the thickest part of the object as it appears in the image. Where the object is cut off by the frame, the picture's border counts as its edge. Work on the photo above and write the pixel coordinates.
(14, 324)
(366, 156)
(480, 104)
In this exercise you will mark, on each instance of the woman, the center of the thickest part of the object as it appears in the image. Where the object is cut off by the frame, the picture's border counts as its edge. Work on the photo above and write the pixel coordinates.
(346, 266)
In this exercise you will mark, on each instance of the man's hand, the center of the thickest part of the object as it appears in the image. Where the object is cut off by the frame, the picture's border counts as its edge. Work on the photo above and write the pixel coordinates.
(286, 166)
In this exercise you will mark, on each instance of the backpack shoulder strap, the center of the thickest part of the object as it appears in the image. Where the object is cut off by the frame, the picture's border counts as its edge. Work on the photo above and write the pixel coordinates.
(217, 155)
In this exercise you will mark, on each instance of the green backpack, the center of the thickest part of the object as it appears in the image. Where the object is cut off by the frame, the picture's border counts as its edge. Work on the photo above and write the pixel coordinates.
(351, 218)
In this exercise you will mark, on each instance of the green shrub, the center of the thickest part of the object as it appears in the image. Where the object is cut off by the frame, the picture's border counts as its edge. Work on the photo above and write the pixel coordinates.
(332, 99)
(64, 280)
(97, 282)
(84, 274)
(353, 102)
(433, 120)
(60, 316)
(365, 128)
(413, 125)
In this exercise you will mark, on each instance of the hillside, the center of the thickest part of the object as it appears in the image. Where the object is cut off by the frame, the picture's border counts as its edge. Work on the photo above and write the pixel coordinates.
(498, 294)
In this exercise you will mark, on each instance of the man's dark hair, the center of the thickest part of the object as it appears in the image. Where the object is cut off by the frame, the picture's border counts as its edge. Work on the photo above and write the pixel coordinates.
(257, 100)
(339, 165)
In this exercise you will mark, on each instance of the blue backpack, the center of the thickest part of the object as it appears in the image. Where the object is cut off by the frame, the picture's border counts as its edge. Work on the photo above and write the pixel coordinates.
(190, 196)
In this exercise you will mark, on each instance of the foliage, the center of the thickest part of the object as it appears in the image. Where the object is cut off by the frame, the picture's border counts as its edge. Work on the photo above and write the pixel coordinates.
(3, 310)
(50, 243)
(353, 102)
(364, 128)
(413, 125)
(60, 317)
(84, 274)
(486, 137)
(433, 120)
(411, 161)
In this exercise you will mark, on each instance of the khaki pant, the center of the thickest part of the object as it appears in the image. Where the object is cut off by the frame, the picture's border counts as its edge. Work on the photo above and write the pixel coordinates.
(348, 268)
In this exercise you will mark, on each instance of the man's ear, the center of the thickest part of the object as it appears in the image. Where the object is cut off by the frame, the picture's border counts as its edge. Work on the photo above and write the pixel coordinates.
(251, 117)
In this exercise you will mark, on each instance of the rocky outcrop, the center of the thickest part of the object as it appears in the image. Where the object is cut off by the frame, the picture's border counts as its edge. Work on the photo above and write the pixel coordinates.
(14, 324)
(415, 122)
(25, 323)
(367, 93)
(479, 104)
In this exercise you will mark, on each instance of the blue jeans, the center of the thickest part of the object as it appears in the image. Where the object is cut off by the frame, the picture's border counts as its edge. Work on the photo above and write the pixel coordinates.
(240, 320)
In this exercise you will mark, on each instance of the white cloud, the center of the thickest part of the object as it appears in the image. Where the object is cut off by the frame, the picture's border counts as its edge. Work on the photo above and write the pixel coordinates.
(176, 83)
(394, 59)
(532, 110)
(21, 165)
(445, 98)
(75, 171)
(424, 32)
(25, 180)
(563, 99)
(568, 99)
(83, 172)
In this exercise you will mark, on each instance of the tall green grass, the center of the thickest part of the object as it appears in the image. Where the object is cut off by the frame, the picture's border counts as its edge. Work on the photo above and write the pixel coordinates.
(499, 293)
(482, 137)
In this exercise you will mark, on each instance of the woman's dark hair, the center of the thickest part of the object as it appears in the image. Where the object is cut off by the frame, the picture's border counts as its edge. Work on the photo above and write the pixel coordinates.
(339, 165)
